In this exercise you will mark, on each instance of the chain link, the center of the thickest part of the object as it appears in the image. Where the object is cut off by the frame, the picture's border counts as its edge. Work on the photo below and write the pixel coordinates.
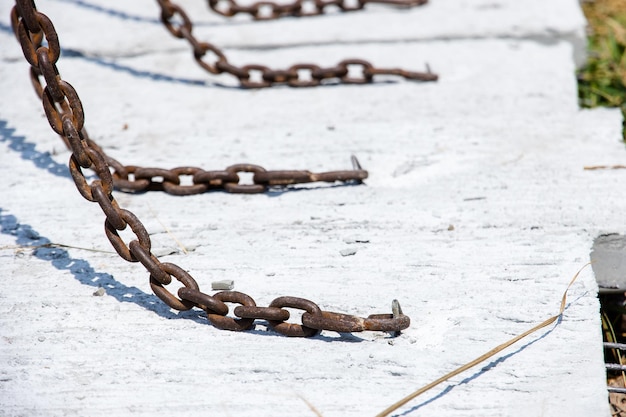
(178, 23)
(65, 114)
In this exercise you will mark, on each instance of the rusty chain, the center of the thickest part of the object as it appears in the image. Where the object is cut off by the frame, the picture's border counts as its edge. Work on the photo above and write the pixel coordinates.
(131, 178)
(348, 71)
(267, 10)
(64, 111)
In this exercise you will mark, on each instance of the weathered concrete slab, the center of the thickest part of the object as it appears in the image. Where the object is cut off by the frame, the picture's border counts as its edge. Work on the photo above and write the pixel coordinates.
(496, 149)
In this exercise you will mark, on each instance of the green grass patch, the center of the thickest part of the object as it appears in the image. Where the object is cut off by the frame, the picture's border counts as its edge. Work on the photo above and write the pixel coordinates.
(602, 81)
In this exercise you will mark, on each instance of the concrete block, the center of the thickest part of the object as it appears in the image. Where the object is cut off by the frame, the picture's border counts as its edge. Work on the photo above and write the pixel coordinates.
(477, 212)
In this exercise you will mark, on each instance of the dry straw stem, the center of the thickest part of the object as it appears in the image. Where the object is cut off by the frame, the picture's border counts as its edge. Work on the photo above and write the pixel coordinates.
(486, 356)
(599, 167)
(311, 406)
(610, 337)
(167, 230)
(53, 245)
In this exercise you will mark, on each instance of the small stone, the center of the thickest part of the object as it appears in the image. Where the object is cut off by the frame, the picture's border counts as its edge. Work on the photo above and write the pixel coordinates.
(348, 252)
(451, 228)
(227, 284)
(41, 338)
(99, 292)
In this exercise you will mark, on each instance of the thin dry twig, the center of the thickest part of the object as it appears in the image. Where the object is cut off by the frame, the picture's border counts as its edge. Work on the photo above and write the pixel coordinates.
(599, 167)
(54, 245)
(311, 406)
(167, 230)
(610, 336)
(484, 357)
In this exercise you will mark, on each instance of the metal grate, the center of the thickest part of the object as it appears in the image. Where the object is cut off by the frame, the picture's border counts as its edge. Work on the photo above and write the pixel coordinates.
(615, 366)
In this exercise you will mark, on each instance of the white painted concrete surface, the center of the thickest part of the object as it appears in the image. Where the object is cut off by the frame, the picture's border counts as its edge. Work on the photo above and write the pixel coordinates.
(496, 149)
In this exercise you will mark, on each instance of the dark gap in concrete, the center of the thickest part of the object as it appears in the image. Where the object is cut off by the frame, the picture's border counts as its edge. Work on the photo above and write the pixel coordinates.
(608, 255)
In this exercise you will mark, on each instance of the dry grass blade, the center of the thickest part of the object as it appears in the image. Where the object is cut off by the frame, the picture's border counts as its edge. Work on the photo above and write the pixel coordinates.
(311, 406)
(53, 245)
(484, 357)
(599, 167)
(609, 335)
(167, 230)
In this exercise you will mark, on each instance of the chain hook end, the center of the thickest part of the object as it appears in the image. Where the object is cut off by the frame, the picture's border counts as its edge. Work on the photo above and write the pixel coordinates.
(396, 310)
(356, 165)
